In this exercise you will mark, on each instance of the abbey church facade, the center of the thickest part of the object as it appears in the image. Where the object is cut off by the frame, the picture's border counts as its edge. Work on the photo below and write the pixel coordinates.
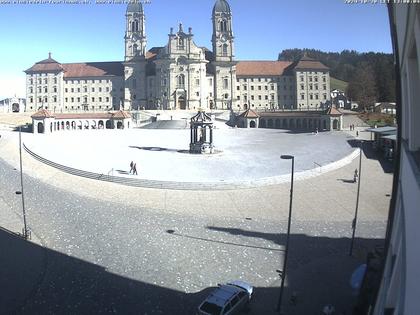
(178, 76)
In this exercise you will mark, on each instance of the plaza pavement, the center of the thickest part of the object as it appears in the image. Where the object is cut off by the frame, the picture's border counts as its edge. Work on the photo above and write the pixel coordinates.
(327, 200)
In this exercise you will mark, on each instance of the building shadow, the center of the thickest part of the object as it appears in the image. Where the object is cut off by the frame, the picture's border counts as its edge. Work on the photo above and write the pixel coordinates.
(39, 280)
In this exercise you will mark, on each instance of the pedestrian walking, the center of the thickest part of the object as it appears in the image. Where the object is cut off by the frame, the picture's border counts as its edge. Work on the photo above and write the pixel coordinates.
(357, 133)
(355, 176)
(134, 169)
(131, 167)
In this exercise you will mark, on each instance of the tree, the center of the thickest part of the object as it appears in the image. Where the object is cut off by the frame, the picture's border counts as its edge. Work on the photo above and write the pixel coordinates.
(362, 86)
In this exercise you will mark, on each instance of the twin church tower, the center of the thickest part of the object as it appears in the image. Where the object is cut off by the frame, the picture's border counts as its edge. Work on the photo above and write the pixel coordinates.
(180, 75)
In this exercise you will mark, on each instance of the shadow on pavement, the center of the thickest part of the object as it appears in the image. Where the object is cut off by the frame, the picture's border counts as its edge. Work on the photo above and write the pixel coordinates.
(318, 271)
(38, 280)
(347, 181)
(372, 154)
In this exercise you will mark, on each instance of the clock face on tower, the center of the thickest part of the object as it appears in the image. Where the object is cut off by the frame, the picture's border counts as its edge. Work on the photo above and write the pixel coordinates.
(223, 38)
(134, 37)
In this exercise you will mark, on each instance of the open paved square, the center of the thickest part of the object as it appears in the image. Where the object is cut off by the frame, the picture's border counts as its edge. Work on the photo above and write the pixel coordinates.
(114, 248)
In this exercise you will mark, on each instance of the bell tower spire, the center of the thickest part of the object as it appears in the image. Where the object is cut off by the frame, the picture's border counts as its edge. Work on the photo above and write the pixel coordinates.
(135, 34)
(222, 39)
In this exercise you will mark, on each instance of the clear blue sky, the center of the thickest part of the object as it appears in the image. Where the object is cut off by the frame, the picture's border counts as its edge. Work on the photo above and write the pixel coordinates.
(94, 32)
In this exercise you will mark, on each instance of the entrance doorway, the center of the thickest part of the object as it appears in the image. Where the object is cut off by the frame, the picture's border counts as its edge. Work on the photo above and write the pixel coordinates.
(181, 103)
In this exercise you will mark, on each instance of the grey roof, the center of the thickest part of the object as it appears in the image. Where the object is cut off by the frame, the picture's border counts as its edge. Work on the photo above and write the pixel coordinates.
(390, 137)
(134, 6)
(221, 6)
(384, 130)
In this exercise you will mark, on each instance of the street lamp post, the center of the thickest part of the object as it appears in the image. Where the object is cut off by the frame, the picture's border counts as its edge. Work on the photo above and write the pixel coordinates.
(25, 230)
(354, 222)
(286, 251)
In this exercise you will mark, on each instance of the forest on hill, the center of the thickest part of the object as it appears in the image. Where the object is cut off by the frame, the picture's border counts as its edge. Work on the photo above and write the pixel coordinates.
(370, 76)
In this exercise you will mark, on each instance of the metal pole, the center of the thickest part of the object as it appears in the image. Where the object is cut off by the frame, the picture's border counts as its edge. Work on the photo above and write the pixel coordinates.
(353, 224)
(283, 276)
(25, 229)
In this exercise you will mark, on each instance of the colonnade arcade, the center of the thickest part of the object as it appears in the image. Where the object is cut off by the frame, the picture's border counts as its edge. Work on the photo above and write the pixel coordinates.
(296, 123)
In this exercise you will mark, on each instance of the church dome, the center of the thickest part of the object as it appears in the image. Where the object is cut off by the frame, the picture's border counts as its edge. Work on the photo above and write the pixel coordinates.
(221, 6)
(134, 6)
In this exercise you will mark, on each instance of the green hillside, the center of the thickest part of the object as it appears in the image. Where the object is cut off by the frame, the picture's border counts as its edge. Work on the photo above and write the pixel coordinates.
(338, 84)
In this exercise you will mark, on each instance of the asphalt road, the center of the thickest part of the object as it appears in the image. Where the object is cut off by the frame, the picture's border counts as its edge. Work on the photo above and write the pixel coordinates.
(101, 257)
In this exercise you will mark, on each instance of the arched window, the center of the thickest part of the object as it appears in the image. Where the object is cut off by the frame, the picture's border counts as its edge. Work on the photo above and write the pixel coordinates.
(223, 26)
(181, 81)
(134, 50)
(225, 50)
(135, 26)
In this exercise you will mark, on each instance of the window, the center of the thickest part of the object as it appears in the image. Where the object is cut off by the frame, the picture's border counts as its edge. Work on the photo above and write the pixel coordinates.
(78, 90)
(302, 96)
(310, 86)
(180, 43)
(259, 87)
(181, 81)
(225, 83)
(316, 96)
(302, 87)
(45, 81)
(238, 88)
(259, 97)
(301, 78)
(210, 81)
(66, 99)
(31, 100)
(223, 26)
(31, 81)
(45, 89)
(107, 88)
(324, 79)
(272, 87)
(252, 88)
(100, 99)
(107, 99)
(72, 99)
(78, 100)
(324, 96)
(224, 50)
(197, 81)
(310, 79)
(311, 97)
(55, 80)
(266, 87)
(316, 79)
(72, 90)
(85, 89)
(266, 97)
(31, 90)
(245, 87)
(93, 99)
(39, 81)
(93, 89)
(316, 86)
(324, 86)
(85, 99)
(252, 97)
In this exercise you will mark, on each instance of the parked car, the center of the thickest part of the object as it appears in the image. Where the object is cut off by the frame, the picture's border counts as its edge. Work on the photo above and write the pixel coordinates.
(228, 299)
